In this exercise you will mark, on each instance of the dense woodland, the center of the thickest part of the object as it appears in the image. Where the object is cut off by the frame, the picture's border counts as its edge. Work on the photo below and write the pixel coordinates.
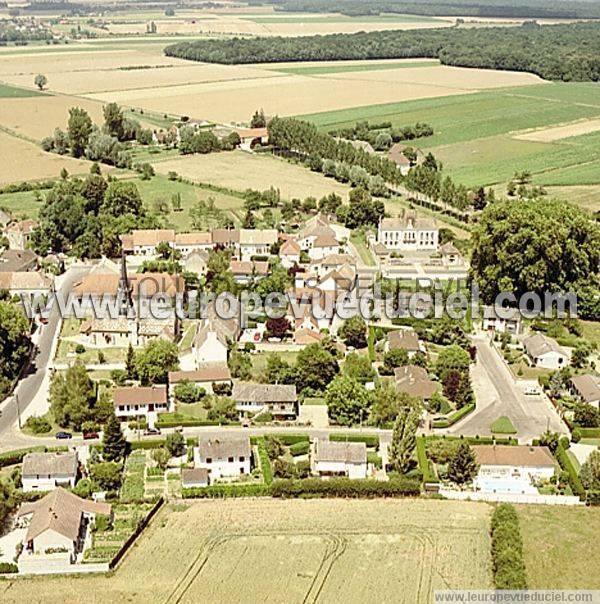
(554, 52)
(468, 8)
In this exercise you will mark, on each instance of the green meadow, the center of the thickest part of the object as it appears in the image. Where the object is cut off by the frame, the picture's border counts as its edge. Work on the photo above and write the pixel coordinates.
(14, 92)
(329, 69)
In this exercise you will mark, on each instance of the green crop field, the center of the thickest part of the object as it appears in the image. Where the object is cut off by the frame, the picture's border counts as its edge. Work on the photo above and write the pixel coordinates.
(338, 18)
(328, 69)
(14, 92)
(474, 132)
(21, 204)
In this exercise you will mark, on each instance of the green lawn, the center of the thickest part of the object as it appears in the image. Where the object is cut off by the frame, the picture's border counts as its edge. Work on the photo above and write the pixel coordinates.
(327, 69)
(591, 331)
(21, 204)
(338, 18)
(259, 360)
(503, 425)
(14, 92)
(358, 239)
(316, 400)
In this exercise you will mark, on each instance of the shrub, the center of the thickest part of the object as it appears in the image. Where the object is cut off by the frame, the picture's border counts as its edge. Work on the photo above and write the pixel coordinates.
(264, 461)
(344, 487)
(218, 491)
(300, 448)
(374, 459)
(507, 549)
(8, 567)
(370, 441)
(454, 417)
(567, 465)
(38, 425)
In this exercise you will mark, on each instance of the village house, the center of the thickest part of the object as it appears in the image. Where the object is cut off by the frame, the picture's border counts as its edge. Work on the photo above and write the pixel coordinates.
(414, 381)
(206, 376)
(46, 471)
(331, 458)
(289, 253)
(194, 478)
(19, 234)
(227, 457)
(545, 352)
(396, 155)
(186, 243)
(214, 336)
(586, 388)
(138, 285)
(408, 233)
(334, 262)
(280, 400)
(450, 255)
(318, 238)
(245, 271)
(141, 401)
(509, 322)
(25, 284)
(196, 262)
(512, 469)
(229, 238)
(122, 331)
(58, 526)
(256, 242)
(404, 339)
(143, 242)
(18, 261)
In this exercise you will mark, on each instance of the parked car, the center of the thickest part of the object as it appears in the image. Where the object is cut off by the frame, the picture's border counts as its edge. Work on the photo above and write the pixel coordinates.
(90, 435)
(532, 390)
(63, 435)
(151, 431)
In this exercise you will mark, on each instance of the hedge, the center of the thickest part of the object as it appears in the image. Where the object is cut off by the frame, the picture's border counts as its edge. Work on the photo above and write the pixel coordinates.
(8, 567)
(300, 448)
(477, 440)
(265, 462)
(369, 440)
(567, 465)
(373, 458)
(454, 417)
(424, 463)
(218, 491)
(344, 487)
(291, 439)
(10, 458)
(185, 423)
(589, 432)
(508, 565)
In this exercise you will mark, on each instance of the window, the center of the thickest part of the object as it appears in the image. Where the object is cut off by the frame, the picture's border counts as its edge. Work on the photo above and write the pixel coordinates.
(230, 459)
(209, 460)
(242, 458)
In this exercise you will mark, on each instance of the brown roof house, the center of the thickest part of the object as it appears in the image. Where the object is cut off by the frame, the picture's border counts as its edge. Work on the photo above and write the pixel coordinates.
(206, 376)
(289, 253)
(587, 388)
(18, 261)
(256, 242)
(141, 401)
(331, 458)
(27, 284)
(193, 478)
(226, 457)
(396, 154)
(19, 233)
(280, 400)
(47, 471)
(513, 469)
(404, 339)
(214, 336)
(408, 232)
(415, 382)
(58, 527)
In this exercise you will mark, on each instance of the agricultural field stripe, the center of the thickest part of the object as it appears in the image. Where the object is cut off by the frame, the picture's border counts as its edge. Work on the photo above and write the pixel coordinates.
(328, 69)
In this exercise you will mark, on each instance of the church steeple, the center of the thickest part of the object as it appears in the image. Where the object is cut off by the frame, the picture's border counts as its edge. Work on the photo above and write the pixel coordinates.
(124, 292)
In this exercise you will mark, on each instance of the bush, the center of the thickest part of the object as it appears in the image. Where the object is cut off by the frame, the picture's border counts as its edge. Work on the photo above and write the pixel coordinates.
(10, 458)
(370, 441)
(454, 417)
(300, 448)
(218, 491)
(264, 461)
(8, 567)
(567, 465)
(374, 459)
(38, 425)
(291, 439)
(507, 549)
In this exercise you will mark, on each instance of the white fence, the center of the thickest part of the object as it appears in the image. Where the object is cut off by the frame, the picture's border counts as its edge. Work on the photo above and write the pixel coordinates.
(511, 497)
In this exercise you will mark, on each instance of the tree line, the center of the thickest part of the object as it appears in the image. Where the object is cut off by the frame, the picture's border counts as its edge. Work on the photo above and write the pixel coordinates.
(530, 9)
(381, 136)
(567, 52)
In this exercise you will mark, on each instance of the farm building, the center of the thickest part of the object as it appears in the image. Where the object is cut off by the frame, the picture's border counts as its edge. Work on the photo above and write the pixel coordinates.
(47, 471)
(224, 457)
(331, 458)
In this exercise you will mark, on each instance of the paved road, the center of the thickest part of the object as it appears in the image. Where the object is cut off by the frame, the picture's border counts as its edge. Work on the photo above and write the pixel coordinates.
(28, 387)
(498, 394)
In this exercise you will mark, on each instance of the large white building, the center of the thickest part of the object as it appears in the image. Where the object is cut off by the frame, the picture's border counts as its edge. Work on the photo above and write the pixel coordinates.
(47, 471)
(227, 457)
(408, 233)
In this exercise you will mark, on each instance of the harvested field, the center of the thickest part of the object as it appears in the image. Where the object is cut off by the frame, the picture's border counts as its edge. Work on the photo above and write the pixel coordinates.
(585, 196)
(148, 79)
(548, 135)
(289, 551)
(560, 546)
(240, 171)
(23, 160)
(37, 117)
(293, 94)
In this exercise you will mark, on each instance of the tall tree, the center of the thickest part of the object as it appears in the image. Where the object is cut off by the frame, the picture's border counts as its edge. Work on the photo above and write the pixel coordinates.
(315, 368)
(114, 445)
(79, 128)
(404, 439)
(354, 332)
(348, 401)
(72, 397)
(462, 466)
(153, 363)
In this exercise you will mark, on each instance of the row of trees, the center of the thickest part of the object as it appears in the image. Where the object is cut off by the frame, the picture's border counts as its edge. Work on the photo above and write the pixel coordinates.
(205, 141)
(14, 344)
(303, 138)
(383, 135)
(555, 52)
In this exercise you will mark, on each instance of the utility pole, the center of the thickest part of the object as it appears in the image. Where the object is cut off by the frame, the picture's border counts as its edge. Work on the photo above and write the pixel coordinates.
(18, 410)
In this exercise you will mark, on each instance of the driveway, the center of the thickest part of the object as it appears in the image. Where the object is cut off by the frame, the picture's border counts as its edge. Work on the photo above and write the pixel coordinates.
(498, 393)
